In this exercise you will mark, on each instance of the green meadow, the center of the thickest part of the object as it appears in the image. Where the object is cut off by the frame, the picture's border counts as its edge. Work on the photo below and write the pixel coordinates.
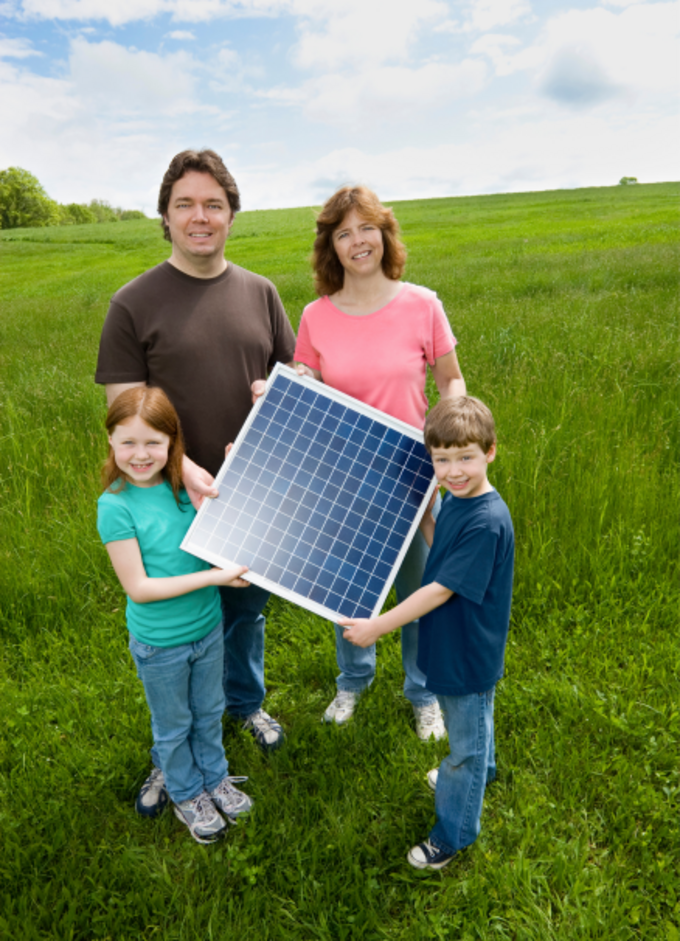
(565, 305)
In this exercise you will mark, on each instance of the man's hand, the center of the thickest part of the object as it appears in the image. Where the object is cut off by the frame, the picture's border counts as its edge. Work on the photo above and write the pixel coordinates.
(257, 389)
(198, 483)
(362, 632)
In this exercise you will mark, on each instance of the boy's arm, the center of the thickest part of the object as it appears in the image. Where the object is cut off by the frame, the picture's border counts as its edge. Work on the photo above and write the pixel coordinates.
(129, 567)
(428, 522)
(362, 632)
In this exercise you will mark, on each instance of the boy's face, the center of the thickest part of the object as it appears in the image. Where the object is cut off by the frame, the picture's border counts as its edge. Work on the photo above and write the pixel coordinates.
(463, 470)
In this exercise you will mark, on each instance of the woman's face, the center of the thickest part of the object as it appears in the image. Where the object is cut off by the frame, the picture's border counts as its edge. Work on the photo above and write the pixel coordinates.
(358, 244)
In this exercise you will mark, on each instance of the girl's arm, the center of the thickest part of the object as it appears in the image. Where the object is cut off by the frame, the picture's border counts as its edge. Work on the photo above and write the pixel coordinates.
(362, 632)
(129, 567)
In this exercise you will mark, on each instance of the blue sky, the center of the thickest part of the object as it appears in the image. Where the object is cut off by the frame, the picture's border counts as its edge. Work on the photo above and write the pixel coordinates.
(416, 98)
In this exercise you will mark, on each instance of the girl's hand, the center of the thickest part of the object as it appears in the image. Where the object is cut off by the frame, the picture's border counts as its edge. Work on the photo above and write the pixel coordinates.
(230, 575)
(362, 632)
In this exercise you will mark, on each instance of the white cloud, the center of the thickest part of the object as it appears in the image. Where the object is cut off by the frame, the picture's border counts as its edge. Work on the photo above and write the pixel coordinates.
(380, 94)
(16, 49)
(181, 34)
(118, 12)
(361, 32)
(489, 14)
(584, 56)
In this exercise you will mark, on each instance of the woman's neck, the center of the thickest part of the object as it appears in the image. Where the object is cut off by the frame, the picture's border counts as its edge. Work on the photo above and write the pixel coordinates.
(363, 296)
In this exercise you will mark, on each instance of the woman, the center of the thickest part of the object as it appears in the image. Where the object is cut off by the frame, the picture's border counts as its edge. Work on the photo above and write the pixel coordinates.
(372, 336)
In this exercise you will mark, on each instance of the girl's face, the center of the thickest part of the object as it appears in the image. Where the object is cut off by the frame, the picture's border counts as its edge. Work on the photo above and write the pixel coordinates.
(140, 452)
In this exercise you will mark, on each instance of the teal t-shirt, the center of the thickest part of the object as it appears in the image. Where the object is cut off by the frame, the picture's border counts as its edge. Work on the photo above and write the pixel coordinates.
(152, 517)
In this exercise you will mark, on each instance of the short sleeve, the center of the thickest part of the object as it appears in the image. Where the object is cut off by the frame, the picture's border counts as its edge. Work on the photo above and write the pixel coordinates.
(121, 356)
(467, 568)
(440, 339)
(304, 351)
(282, 333)
(114, 521)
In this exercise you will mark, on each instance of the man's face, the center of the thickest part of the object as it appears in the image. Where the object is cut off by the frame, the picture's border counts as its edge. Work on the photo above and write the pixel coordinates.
(199, 218)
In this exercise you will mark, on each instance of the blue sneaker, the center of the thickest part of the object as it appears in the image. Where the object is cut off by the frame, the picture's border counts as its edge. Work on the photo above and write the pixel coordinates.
(153, 796)
(427, 856)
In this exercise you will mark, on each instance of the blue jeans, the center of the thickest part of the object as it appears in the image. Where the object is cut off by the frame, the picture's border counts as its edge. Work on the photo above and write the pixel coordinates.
(184, 693)
(243, 671)
(357, 664)
(465, 772)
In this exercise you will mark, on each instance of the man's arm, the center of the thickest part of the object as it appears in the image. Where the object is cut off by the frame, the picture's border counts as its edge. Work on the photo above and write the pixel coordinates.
(114, 389)
(362, 632)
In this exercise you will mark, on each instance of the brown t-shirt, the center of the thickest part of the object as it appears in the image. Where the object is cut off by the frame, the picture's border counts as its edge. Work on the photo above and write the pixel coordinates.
(203, 341)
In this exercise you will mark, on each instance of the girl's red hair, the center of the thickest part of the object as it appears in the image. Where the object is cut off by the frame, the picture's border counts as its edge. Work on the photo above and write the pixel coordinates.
(155, 408)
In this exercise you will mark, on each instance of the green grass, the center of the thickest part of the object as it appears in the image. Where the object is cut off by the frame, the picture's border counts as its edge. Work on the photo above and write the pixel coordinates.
(566, 308)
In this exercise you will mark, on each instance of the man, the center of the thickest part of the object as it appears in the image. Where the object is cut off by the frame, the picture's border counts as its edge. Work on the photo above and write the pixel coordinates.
(205, 331)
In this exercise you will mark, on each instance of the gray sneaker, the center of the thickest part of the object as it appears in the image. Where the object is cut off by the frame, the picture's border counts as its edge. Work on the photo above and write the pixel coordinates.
(342, 707)
(429, 722)
(229, 799)
(153, 797)
(432, 778)
(200, 815)
(266, 731)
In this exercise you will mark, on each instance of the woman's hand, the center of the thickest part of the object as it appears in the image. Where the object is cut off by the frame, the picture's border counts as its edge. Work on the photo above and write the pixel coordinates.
(303, 370)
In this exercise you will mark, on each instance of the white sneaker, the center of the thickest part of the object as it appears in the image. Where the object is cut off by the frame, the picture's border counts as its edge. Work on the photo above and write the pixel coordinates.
(342, 707)
(229, 799)
(432, 778)
(199, 814)
(266, 731)
(429, 721)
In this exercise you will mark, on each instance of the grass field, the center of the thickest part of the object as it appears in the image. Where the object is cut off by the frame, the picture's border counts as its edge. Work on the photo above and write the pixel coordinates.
(565, 305)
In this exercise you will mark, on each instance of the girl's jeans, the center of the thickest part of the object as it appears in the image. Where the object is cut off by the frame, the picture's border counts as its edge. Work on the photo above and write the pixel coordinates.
(465, 772)
(183, 687)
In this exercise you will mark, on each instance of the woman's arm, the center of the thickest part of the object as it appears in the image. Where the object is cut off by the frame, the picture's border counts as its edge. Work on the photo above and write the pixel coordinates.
(363, 632)
(129, 567)
(448, 377)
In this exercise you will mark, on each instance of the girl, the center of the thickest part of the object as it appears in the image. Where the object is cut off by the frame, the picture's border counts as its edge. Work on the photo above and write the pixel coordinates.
(173, 611)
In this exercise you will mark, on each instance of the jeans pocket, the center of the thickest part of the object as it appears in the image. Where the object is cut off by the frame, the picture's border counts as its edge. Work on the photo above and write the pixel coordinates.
(143, 652)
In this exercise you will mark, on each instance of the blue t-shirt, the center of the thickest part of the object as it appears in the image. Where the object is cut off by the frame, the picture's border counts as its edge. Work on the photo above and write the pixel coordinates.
(461, 644)
(152, 517)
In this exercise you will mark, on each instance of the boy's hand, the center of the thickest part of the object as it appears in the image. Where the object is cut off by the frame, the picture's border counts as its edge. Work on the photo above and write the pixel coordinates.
(230, 575)
(362, 632)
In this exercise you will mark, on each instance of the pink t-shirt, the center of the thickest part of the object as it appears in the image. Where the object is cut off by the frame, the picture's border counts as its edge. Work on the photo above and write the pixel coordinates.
(382, 358)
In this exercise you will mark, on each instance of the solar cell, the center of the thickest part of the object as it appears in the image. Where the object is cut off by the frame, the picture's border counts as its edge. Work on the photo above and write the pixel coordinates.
(319, 496)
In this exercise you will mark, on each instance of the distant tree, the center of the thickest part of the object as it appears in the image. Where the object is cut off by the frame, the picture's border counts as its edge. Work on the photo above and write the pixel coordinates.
(128, 214)
(627, 180)
(23, 201)
(76, 214)
(104, 211)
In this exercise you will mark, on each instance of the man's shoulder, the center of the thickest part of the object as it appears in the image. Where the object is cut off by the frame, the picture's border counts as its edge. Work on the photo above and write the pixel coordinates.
(237, 274)
(145, 282)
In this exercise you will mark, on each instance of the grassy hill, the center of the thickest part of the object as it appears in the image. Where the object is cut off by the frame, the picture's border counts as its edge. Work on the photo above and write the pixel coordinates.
(565, 305)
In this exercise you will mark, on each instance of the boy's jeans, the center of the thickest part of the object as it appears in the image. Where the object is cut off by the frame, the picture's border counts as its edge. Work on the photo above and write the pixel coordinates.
(243, 672)
(183, 687)
(357, 664)
(466, 771)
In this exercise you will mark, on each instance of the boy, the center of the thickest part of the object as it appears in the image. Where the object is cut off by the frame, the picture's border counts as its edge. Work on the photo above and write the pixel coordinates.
(464, 611)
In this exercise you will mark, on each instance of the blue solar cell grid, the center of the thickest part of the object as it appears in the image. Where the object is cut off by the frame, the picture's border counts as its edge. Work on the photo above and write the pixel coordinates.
(318, 497)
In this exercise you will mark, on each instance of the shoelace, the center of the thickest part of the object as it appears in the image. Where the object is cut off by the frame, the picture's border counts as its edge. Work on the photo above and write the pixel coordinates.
(228, 791)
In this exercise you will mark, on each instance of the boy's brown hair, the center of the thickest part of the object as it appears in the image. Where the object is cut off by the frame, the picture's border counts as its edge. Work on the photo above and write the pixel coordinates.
(454, 423)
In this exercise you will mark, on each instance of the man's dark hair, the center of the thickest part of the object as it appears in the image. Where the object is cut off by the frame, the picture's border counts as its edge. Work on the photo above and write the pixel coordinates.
(202, 161)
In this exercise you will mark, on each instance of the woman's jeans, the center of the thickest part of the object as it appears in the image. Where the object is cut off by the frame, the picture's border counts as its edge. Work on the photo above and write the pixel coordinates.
(357, 664)
(465, 772)
(183, 687)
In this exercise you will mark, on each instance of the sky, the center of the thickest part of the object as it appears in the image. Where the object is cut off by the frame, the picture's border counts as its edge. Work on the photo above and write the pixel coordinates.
(415, 98)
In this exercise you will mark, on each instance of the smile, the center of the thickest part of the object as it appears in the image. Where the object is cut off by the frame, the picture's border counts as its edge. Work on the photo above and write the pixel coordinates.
(361, 255)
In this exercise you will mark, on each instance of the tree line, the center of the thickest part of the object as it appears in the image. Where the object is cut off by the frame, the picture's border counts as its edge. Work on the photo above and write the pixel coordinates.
(24, 203)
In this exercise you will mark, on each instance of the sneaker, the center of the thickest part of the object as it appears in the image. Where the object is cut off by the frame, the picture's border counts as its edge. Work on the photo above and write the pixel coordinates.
(199, 814)
(266, 731)
(229, 799)
(153, 797)
(432, 778)
(427, 856)
(429, 721)
(342, 707)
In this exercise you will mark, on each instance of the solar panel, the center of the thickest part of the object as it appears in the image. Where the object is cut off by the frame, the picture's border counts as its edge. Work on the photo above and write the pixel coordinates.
(319, 497)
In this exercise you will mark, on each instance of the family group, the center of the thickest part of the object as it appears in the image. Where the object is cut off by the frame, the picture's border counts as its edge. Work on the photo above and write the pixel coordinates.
(184, 352)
